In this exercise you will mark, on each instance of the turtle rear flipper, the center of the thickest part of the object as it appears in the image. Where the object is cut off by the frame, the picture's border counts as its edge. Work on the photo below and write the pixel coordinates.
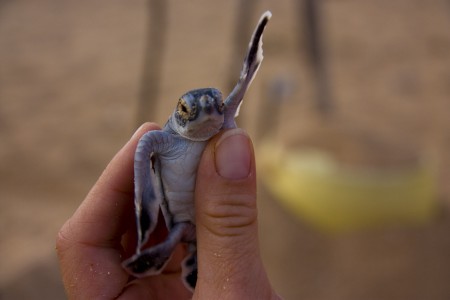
(153, 260)
(149, 262)
(189, 268)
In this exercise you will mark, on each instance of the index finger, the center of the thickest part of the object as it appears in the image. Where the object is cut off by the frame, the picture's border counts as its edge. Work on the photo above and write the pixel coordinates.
(99, 219)
(88, 244)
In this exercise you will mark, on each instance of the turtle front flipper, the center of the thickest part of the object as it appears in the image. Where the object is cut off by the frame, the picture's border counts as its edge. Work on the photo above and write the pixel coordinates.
(147, 185)
(251, 65)
(152, 261)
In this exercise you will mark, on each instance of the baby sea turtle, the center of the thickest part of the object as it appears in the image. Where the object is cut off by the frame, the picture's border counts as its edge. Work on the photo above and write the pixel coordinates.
(165, 167)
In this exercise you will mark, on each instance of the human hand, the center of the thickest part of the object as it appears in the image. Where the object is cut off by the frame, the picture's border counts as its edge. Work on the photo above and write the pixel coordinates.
(94, 241)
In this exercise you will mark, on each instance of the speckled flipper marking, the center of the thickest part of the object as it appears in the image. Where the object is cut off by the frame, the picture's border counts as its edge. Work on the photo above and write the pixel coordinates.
(251, 65)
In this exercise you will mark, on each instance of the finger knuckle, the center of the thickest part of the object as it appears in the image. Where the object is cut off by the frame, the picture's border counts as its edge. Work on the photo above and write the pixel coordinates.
(230, 216)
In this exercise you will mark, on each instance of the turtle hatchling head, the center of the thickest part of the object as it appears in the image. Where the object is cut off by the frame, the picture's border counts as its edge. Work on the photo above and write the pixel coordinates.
(199, 114)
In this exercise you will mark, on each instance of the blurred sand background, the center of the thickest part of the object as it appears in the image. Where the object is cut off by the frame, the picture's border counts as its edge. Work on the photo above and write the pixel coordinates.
(70, 77)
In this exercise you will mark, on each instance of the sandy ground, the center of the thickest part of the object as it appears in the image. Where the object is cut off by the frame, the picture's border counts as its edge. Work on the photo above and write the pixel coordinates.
(70, 74)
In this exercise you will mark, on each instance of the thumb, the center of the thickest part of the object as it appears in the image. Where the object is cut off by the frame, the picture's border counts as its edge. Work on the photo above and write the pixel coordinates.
(229, 262)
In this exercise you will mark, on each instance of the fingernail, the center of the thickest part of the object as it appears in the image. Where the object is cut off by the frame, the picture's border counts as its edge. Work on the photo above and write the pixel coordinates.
(137, 131)
(233, 154)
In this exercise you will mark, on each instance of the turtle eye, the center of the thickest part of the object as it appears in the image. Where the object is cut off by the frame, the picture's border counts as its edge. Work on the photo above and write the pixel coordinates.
(183, 109)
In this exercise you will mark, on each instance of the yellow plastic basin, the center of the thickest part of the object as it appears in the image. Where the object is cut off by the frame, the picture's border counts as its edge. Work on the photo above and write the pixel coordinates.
(316, 188)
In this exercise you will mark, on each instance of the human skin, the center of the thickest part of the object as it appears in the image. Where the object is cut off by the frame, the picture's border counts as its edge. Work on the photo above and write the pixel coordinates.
(101, 233)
